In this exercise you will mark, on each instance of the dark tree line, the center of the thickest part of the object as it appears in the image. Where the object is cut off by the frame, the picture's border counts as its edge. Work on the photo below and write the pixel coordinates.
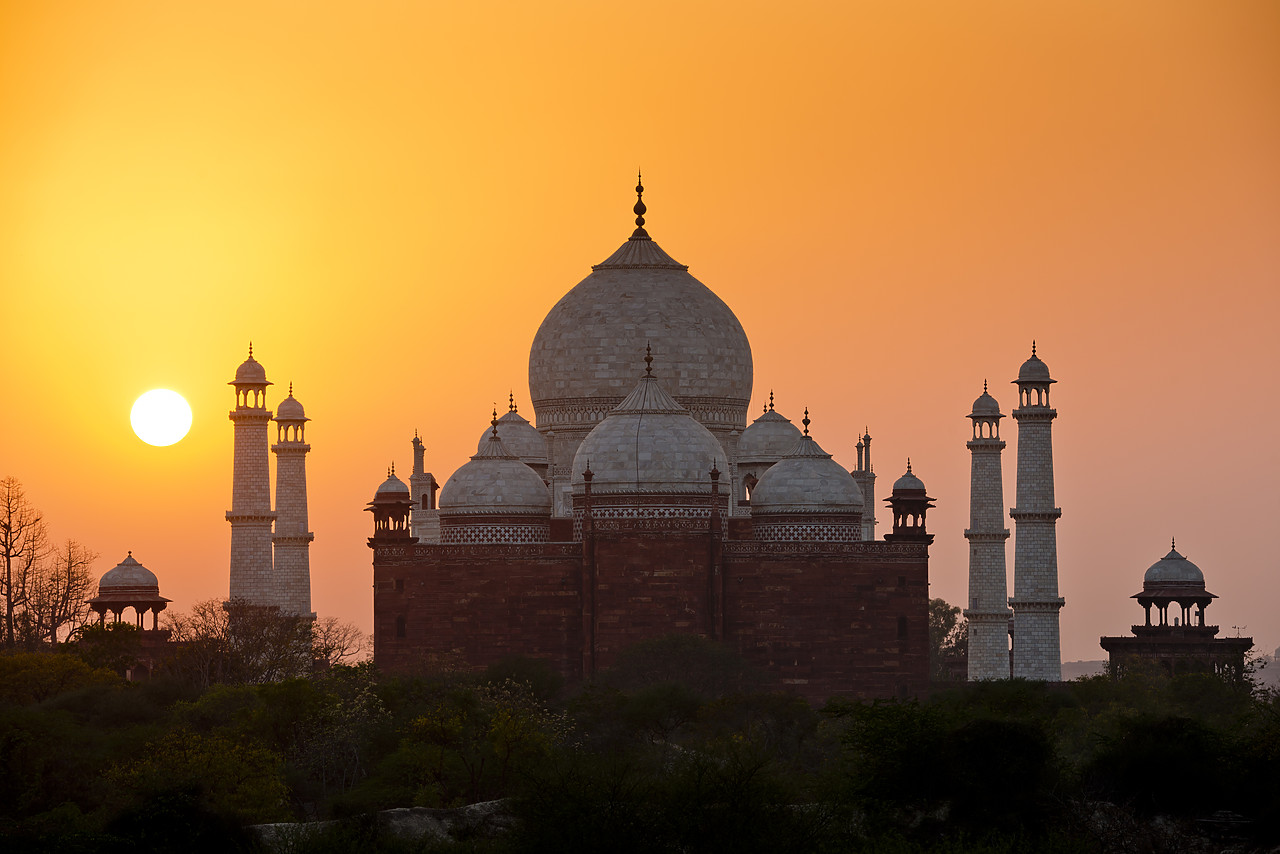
(681, 747)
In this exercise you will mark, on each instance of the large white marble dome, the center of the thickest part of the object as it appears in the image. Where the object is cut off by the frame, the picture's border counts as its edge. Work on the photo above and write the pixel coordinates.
(583, 358)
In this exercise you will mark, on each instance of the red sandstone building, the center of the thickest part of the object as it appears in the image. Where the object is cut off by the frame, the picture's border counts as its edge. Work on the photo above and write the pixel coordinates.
(642, 504)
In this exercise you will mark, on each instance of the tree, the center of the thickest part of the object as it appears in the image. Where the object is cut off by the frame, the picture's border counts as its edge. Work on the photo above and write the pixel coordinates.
(23, 544)
(58, 599)
(237, 643)
(948, 639)
(334, 642)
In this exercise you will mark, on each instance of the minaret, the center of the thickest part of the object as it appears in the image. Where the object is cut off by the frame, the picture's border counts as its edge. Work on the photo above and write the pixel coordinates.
(250, 514)
(292, 540)
(1036, 644)
(866, 479)
(424, 517)
(988, 613)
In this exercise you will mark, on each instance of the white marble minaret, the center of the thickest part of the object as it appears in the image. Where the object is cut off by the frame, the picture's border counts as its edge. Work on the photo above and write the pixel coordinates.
(1036, 603)
(292, 540)
(865, 476)
(424, 516)
(988, 612)
(250, 515)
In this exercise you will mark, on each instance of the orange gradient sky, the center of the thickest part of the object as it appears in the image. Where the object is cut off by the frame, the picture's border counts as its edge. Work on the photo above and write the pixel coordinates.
(895, 199)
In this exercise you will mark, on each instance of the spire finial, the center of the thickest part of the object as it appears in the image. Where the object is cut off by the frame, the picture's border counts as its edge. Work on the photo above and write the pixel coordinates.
(805, 421)
(290, 388)
(764, 407)
(250, 349)
(511, 401)
(494, 421)
(415, 432)
(639, 209)
(771, 400)
(392, 471)
(984, 386)
(908, 465)
(1033, 348)
(648, 360)
(1173, 543)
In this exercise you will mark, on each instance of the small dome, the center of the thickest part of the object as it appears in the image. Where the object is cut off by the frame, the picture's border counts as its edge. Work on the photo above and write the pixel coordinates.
(392, 486)
(1173, 568)
(1033, 370)
(908, 482)
(128, 573)
(806, 480)
(495, 481)
(520, 438)
(648, 443)
(986, 406)
(767, 439)
(290, 409)
(250, 372)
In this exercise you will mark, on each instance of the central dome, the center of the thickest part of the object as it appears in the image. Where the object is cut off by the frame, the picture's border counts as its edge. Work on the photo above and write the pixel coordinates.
(582, 362)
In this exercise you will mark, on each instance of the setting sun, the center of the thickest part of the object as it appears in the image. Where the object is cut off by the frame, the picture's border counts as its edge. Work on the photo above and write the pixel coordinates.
(160, 417)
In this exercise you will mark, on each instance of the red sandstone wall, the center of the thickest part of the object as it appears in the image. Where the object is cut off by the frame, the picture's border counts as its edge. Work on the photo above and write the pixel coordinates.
(830, 625)
(826, 618)
(469, 606)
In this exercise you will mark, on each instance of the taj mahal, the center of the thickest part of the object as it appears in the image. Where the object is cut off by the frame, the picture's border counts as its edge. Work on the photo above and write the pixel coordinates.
(641, 502)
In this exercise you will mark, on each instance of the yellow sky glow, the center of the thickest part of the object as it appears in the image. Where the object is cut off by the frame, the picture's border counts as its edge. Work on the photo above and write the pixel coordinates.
(895, 199)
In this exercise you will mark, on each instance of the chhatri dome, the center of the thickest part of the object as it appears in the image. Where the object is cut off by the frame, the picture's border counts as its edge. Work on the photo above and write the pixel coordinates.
(769, 438)
(581, 362)
(648, 443)
(806, 480)
(495, 481)
(1173, 568)
(518, 436)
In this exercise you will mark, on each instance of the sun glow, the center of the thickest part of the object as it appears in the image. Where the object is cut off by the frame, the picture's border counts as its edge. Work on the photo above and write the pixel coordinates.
(160, 417)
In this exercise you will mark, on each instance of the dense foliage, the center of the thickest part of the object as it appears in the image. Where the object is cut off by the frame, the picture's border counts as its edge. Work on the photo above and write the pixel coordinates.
(681, 747)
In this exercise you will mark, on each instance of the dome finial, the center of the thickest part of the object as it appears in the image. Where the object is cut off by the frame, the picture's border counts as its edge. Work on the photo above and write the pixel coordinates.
(250, 349)
(908, 465)
(639, 209)
(648, 360)
(984, 386)
(1173, 543)
(770, 400)
(393, 470)
(1033, 348)
(805, 421)
(494, 421)
(290, 388)
(511, 401)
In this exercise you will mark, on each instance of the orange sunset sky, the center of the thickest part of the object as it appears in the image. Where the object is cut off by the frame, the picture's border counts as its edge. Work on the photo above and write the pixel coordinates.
(894, 198)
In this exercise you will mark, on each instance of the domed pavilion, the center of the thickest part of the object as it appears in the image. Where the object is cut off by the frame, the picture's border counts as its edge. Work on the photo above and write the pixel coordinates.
(1181, 641)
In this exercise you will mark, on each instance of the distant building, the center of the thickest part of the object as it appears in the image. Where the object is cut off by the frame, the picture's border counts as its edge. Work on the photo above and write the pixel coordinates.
(643, 503)
(131, 585)
(1181, 642)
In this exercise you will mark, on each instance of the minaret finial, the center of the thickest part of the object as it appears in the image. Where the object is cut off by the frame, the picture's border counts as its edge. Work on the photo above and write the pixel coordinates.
(639, 209)
(805, 420)
(648, 360)
(771, 400)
